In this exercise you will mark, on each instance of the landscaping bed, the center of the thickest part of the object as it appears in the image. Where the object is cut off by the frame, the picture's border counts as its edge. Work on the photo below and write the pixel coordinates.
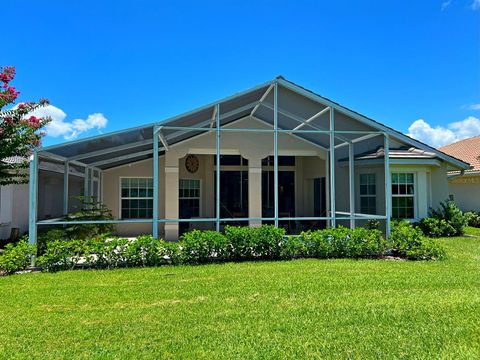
(58, 252)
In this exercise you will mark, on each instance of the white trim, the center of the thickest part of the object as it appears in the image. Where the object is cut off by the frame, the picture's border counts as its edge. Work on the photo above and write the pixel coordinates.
(414, 195)
(367, 196)
(171, 169)
(120, 197)
(200, 197)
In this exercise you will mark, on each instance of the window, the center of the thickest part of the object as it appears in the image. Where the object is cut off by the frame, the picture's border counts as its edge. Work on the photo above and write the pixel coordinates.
(231, 160)
(189, 198)
(136, 198)
(368, 194)
(403, 196)
(282, 161)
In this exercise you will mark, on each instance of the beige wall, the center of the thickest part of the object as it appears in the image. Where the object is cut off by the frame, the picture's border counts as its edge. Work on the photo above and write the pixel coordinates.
(466, 192)
(431, 182)
(431, 186)
(13, 209)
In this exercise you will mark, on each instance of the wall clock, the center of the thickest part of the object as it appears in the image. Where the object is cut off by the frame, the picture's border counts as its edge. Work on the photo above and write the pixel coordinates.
(192, 163)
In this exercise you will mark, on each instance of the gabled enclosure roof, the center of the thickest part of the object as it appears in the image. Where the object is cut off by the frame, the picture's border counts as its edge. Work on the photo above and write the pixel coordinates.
(299, 109)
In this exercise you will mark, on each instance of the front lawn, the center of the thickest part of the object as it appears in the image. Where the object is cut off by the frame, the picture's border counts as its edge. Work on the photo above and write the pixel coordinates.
(470, 230)
(302, 308)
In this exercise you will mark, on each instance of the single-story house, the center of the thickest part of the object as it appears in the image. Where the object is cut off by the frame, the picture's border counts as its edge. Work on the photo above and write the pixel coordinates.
(276, 153)
(464, 185)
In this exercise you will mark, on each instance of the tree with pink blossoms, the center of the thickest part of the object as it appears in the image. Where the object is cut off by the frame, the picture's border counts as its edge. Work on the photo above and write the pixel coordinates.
(20, 131)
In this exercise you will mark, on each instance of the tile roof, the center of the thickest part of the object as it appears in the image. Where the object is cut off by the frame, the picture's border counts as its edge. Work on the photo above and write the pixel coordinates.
(467, 150)
(404, 153)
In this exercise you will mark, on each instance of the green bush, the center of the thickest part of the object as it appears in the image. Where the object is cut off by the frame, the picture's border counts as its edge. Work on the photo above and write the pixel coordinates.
(242, 240)
(17, 257)
(364, 243)
(199, 247)
(268, 241)
(317, 244)
(409, 242)
(293, 247)
(246, 243)
(372, 224)
(108, 253)
(435, 227)
(145, 251)
(63, 255)
(51, 235)
(473, 218)
(449, 211)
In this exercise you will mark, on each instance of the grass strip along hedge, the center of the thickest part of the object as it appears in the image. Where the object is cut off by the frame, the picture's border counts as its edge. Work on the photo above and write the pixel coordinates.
(236, 244)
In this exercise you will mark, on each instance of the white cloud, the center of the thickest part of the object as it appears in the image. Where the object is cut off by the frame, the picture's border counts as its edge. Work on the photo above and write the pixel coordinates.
(69, 130)
(476, 5)
(472, 107)
(439, 136)
(446, 4)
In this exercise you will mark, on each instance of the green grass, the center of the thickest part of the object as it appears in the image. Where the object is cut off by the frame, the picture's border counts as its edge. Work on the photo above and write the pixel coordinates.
(470, 230)
(294, 309)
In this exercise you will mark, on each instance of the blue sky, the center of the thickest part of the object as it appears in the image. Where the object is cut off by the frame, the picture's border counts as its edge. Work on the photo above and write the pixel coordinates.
(111, 65)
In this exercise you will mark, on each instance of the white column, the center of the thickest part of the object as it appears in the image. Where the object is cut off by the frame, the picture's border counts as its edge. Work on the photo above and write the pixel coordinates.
(254, 190)
(33, 198)
(171, 195)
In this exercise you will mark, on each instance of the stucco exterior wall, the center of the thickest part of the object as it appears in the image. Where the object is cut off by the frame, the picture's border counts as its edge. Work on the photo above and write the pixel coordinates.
(13, 209)
(431, 186)
(466, 192)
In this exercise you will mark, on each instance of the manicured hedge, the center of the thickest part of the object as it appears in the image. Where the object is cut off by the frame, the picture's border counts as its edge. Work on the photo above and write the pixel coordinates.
(237, 244)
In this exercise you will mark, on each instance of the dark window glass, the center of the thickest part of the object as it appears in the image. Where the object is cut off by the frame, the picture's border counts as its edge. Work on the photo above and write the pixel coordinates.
(282, 161)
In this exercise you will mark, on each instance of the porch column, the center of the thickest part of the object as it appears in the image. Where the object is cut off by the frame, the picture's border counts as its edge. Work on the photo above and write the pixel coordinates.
(33, 195)
(254, 191)
(171, 195)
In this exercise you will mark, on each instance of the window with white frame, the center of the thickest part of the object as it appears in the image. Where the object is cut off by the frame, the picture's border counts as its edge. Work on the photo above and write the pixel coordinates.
(189, 198)
(403, 195)
(136, 198)
(368, 194)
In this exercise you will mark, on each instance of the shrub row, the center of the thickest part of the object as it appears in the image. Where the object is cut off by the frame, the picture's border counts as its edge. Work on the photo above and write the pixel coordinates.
(237, 244)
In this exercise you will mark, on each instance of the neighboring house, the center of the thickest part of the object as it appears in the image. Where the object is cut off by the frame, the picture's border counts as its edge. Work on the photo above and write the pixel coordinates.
(13, 205)
(14, 199)
(464, 186)
(286, 156)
